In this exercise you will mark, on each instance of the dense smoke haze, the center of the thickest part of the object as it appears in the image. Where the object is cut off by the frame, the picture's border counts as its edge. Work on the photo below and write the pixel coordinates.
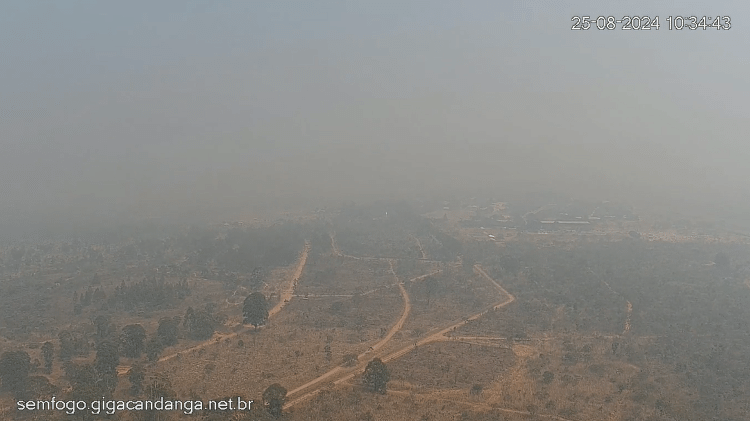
(183, 111)
(374, 210)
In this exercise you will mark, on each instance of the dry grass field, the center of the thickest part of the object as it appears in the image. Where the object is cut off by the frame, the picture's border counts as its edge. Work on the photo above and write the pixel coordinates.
(462, 342)
(336, 275)
(442, 366)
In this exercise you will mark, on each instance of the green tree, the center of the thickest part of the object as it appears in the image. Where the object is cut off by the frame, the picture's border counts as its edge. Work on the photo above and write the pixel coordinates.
(85, 385)
(48, 351)
(273, 399)
(136, 374)
(153, 348)
(105, 364)
(255, 309)
(376, 376)
(189, 321)
(201, 325)
(547, 377)
(327, 350)
(168, 330)
(350, 359)
(158, 386)
(476, 389)
(14, 371)
(132, 339)
(104, 328)
(67, 345)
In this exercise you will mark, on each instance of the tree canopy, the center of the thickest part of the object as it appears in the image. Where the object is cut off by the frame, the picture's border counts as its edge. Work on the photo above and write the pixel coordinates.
(199, 324)
(14, 370)
(168, 329)
(273, 399)
(376, 376)
(48, 354)
(131, 340)
(255, 309)
(105, 364)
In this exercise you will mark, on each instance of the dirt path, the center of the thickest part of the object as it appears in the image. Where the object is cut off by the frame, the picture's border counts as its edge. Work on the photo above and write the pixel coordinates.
(437, 336)
(334, 247)
(480, 340)
(430, 397)
(286, 296)
(472, 403)
(534, 212)
(401, 321)
(387, 338)
(440, 335)
(627, 320)
(481, 271)
(288, 292)
(372, 291)
(421, 250)
(339, 253)
(234, 294)
(626, 328)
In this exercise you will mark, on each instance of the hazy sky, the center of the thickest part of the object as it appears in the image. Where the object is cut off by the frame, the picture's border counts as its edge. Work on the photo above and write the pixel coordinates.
(178, 107)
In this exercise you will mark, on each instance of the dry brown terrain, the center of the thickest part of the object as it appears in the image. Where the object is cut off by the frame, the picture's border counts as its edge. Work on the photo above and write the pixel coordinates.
(458, 344)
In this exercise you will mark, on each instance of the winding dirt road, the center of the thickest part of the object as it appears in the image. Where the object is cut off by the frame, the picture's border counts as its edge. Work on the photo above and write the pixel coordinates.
(439, 335)
(387, 338)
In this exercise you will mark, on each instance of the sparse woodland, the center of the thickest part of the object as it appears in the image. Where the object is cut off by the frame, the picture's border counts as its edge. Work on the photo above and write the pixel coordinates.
(623, 329)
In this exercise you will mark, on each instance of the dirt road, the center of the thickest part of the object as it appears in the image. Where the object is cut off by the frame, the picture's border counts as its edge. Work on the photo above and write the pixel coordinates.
(534, 212)
(421, 250)
(339, 253)
(439, 335)
(334, 247)
(288, 292)
(627, 326)
(286, 296)
(475, 404)
(627, 320)
(387, 338)
(401, 321)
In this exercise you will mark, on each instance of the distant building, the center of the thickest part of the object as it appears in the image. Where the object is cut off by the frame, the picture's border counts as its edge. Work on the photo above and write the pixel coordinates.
(498, 206)
(550, 225)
